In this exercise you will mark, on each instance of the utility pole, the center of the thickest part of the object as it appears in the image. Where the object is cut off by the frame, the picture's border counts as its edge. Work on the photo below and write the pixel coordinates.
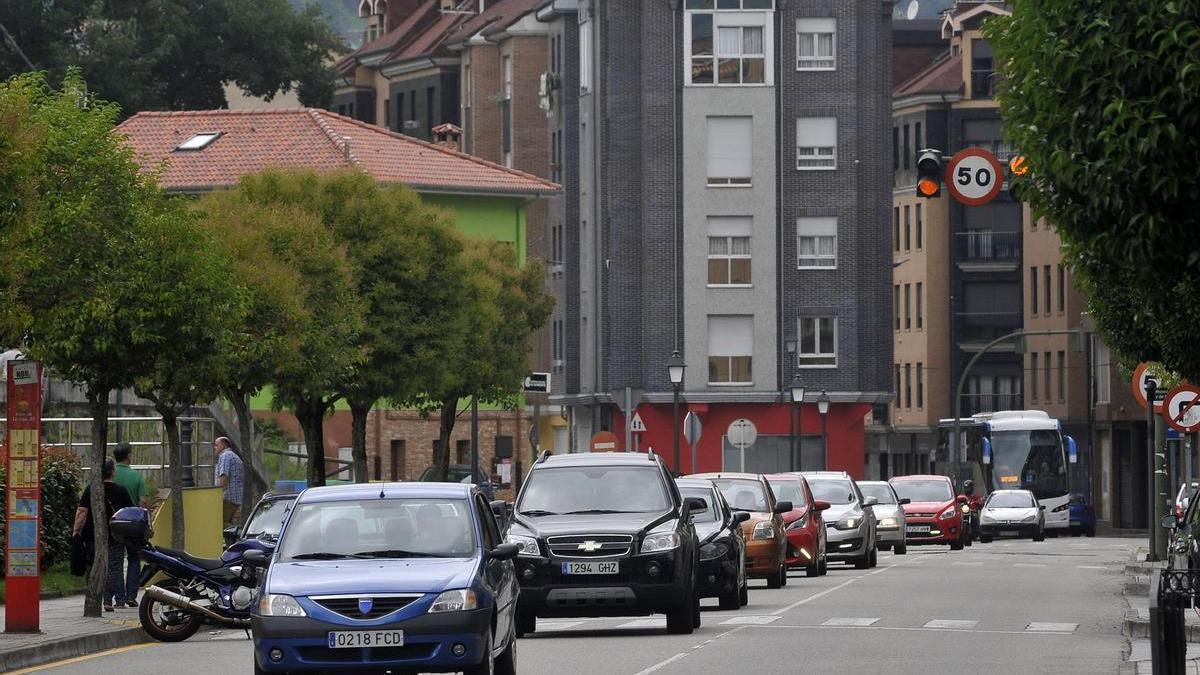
(1151, 465)
(1161, 488)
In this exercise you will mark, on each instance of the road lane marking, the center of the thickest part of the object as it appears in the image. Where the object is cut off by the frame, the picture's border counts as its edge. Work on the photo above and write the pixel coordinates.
(749, 620)
(951, 624)
(850, 621)
(827, 591)
(644, 623)
(968, 563)
(557, 625)
(1028, 565)
(1043, 627)
(1090, 567)
(662, 664)
(915, 630)
(666, 662)
(86, 657)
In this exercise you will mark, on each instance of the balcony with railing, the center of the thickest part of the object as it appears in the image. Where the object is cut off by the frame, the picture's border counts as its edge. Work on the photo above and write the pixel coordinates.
(983, 83)
(987, 250)
(976, 329)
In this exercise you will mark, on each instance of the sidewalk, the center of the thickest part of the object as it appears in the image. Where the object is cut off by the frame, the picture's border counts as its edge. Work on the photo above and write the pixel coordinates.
(67, 634)
(1136, 626)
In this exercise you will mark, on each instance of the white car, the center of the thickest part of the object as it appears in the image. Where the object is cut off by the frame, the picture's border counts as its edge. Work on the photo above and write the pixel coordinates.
(1012, 512)
(1185, 495)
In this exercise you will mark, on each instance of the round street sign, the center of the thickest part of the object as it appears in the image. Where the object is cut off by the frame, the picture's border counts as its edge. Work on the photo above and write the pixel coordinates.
(1141, 375)
(1181, 408)
(742, 433)
(605, 441)
(974, 177)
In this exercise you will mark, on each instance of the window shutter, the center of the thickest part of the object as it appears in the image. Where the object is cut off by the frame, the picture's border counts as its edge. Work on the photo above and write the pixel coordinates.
(729, 143)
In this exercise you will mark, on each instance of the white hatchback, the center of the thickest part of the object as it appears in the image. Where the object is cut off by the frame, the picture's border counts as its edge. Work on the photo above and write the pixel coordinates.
(1012, 512)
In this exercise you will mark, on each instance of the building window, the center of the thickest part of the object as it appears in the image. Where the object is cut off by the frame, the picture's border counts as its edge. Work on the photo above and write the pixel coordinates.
(896, 229)
(1046, 289)
(908, 386)
(556, 345)
(585, 55)
(1033, 295)
(907, 306)
(506, 111)
(399, 460)
(896, 304)
(1100, 371)
(907, 149)
(730, 349)
(387, 113)
(729, 251)
(920, 228)
(728, 43)
(1046, 367)
(729, 150)
(1033, 376)
(816, 143)
(818, 342)
(816, 48)
(920, 306)
(1062, 376)
(895, 148)
(816, 242)
(1062, 289)
(898, 387)
(920, 386)
(917, 144)
(907, 228)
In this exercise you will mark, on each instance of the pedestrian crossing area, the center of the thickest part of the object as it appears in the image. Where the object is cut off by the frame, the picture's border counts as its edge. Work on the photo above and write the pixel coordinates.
(722, 620)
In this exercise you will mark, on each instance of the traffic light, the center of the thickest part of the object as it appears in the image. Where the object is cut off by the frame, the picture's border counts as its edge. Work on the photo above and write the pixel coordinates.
(929, 173)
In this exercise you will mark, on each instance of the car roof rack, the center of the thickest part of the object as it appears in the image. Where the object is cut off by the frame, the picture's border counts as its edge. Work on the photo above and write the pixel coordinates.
(542, 457)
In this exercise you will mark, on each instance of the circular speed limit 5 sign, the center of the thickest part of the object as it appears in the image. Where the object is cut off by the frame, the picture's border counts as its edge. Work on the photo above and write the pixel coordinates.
(974, 176)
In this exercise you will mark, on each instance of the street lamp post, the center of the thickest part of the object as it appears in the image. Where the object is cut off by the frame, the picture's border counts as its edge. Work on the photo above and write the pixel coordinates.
(823, 408)
(675, 368)
(797, 388)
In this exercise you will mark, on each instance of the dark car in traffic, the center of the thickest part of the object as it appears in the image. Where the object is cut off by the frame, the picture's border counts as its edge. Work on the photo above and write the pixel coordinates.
(722, 545)
(605, 534)
(1083, 516)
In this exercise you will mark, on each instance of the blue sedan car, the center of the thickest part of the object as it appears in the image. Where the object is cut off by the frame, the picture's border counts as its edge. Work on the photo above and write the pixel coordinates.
(404, 577)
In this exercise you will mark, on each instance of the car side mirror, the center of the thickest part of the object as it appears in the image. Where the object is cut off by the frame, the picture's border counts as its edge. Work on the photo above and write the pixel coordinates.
(694, 505)
(782, 507)
(870, 501)
(821, 505)
(499, 508)
(254, 558)
(230, 535)
(505, 551)
(1042, 507)
(905, 500)
(962, 499)
(1169, 522)
(740, 517)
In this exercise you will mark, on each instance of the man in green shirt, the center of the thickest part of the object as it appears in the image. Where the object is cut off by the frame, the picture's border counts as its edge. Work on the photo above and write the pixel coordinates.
(130, 479)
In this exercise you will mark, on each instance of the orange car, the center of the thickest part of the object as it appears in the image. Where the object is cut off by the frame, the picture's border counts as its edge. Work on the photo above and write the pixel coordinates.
(766, 538)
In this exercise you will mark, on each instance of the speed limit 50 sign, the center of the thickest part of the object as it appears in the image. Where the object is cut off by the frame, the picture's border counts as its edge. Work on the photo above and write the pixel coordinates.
(974, 177)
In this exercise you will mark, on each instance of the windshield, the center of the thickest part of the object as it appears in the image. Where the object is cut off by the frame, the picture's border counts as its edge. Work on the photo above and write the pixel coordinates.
(834, 491)
(1185, 492)
(379, 528)
(268, 518)
(923, 490)
(742, 494)
(1010, 500)
(594, 489)
(788, 490)
(1029, 460)
(709, 497)
(879, 491)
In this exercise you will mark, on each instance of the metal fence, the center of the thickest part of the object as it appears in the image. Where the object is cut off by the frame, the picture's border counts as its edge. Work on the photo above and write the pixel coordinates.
(151, 456)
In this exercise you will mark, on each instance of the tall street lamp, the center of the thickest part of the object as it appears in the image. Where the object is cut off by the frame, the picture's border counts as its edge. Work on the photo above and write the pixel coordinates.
(675, 368)
(823, 408)
(797, 388)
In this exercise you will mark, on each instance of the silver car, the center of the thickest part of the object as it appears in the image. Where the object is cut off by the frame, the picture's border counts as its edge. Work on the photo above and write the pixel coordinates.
(889, 514)
(1014, 512)
(849, 522)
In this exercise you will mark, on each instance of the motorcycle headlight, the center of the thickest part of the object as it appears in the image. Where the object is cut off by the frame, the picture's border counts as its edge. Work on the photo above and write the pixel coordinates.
(529, 545)
(948, 513)
(888, 522)
(763, 530)
(966, 508)
(713, 550)
(458, 600)
(800, 523)
(653, 543)
(848, 523)
(279, 605)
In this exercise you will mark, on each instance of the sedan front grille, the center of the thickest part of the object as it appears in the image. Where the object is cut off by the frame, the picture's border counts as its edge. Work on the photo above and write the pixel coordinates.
(381, 605)
(590, 545)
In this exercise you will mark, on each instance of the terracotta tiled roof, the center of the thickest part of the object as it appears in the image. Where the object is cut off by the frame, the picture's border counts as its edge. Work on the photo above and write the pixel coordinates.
(943, 76)
(253, 140)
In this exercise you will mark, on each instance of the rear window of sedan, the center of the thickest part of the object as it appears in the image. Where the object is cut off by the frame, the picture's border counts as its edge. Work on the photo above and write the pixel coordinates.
(743, 494)
(832, 490)
(788, 490)
(379, 528)
(880, 492)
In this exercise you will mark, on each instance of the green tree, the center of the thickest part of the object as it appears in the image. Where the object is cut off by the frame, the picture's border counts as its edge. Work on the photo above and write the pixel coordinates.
(186, 275)
(505, 304)
(1103, 99)
(73, 298)
(176, 54)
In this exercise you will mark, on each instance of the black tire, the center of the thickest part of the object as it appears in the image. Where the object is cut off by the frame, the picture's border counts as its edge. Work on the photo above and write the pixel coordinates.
(506, 663)
(1040, 535)
(863, 561)
(813, 569)
(695, 611)
(682, 620)
(526, 623)
(1090, 532)
(984, 539)
(957, 544)
(744, 594)
(783, 577)
(257, 668)
(486, 665)
(901, 549)
(776, 580)
(884, 547)
(182, 624)
(730, 600)
(824, 565)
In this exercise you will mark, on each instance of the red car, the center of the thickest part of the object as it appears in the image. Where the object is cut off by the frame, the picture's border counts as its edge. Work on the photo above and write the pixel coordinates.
(804, 525)
(932, 515)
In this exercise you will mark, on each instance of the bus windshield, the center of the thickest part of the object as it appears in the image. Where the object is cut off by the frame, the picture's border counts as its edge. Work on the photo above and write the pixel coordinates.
(1029, 460)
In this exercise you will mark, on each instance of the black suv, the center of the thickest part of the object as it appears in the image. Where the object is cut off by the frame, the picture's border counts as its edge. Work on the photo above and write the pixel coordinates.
(605, 534)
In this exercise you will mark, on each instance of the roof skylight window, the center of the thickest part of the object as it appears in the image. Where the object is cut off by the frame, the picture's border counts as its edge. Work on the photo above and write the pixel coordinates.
(199, 141)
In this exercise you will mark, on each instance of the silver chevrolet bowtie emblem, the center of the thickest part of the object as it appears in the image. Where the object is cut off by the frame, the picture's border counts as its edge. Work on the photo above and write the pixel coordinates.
(590, 546)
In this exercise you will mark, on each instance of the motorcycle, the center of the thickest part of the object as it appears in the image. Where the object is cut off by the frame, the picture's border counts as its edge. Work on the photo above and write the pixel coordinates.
(970, 518)
(217, 590)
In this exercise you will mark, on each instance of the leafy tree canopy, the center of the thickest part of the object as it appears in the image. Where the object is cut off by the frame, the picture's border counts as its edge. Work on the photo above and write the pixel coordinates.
(175, 54)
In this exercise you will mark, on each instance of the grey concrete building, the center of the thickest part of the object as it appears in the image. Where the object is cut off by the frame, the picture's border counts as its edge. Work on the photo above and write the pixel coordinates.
(733, 194)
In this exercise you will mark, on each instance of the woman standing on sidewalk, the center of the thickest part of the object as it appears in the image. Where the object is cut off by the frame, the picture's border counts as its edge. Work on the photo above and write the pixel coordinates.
(115, 498)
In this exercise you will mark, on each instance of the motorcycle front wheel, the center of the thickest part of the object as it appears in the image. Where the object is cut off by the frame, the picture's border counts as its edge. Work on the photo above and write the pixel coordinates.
(167, 623)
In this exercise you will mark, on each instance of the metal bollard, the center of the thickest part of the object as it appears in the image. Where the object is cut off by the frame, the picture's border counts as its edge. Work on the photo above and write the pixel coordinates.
(1168, 631)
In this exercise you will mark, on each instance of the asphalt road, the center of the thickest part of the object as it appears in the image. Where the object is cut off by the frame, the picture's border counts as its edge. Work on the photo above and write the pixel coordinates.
(1013, 607)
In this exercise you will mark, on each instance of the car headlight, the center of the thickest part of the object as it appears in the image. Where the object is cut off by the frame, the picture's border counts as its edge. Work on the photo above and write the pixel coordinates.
(888, 522)
(713, 550)
(948, 513)
(529, 545)
(799, 523)
(848, 523)
(653, 543)
(1029, 519)
(272, 604)
(763, 530)
(1061, 508)
(458, 600)
(986, 516)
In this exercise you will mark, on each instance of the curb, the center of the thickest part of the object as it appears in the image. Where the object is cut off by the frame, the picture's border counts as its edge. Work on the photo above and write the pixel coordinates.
(67, 648)
(1138, 628)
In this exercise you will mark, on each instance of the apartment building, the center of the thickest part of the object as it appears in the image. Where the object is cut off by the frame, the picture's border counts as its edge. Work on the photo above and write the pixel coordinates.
(732, 208)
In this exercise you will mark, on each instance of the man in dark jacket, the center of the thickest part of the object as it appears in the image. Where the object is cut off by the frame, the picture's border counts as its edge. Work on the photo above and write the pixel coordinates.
(115, 499)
